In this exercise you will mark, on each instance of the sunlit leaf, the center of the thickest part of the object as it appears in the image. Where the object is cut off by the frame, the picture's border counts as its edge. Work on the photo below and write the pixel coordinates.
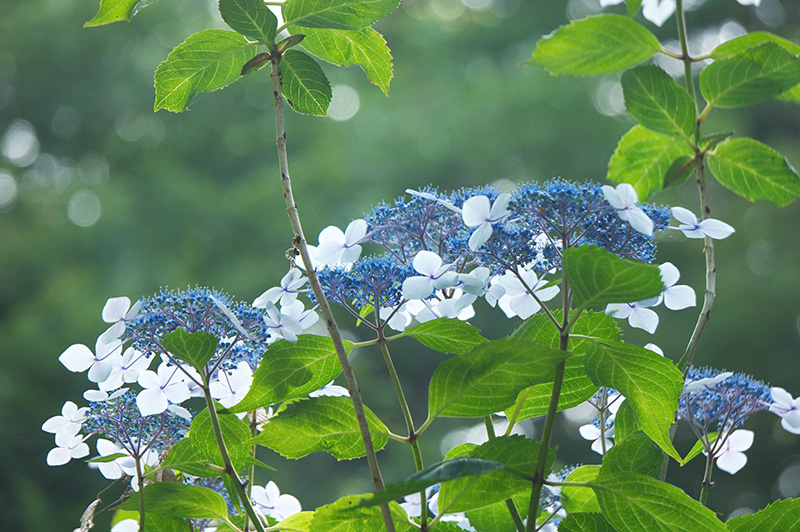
(656, 101)
(337, 14)
(304, 84)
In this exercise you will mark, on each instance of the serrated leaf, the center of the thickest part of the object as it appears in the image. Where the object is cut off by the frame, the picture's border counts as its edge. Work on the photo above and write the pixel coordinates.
(585, 522)
(779, 516)
(754, 171)
(650, 382)
(251, 18)
(637, 503)
(577, 386)
(366, 48)
(196, 348)
(445, 335)
(595, 45)
(460, 467)
(643, 159)
(598, 277)
(517, 453)
(698, 447)
(180, 500)
(635, 454)
(657, 102)
(326, 424)
(288, 371)
(678, 172)
(497, 517)
(489, 378)
(299, 522)
(624, 422)
(345, 515)
(114, 11)
(337, 14)
(750, 77)
(581, 498)
(750, 40)
(304, 84)
(207, 61)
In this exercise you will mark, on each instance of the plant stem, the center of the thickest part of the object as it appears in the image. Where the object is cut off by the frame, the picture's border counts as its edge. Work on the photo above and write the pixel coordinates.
(140, 480)
(707, 484)
(300, 244)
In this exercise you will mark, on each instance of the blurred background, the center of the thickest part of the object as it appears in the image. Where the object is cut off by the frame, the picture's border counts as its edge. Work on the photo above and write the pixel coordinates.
(100, 197)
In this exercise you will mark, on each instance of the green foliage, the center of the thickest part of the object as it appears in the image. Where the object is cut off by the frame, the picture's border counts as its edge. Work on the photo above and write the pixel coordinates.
(624, 421)
(778, 516)
(114, 11)
(635, 454)
(345, 515)
(305, 86)
(585, 522)
(320, 424)
(206, 61)
(251, 18)
(598, 277)
(488, 378)
(365, 47)
(581, 498)
(174, 499)
(595, 45)
(289, 371)
(658, 103)
(445, 335)
(650, 382)
(163, 523)
(196, 349)
(698, 447)
(754, 171)
(496, 517)
(336, 14)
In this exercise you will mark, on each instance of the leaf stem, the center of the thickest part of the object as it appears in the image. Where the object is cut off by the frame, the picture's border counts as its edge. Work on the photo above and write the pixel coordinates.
(140, 479)
(300, 244)
(707, 484)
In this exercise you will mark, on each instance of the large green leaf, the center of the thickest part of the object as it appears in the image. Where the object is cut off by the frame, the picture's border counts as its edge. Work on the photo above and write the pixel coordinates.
(750, 77)
(577, 386)
(251, 18)
(595, 45)
(326, 424)
(114, 11)
(780, 516)
(163, 523)
(632, 502)
(581, 498)
(598, 277)
(345, 515)
(585, 522)
(207, 61)
(196, 349)
(497, 517)
(624, 422)
(288, 371)
(365, 48)
(304, 84)
(180, 500)
(750, 40)
(651, 383)
(489, 378)
(635, 454)
(337, 14)
(754, 171)
(657, 102)
(517, 453)
(446, 335)
(643, 158)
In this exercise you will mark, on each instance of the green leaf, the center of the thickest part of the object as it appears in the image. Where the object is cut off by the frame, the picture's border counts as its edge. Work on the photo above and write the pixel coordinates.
(581, 498)
(643, 158)
(299, 522)
(517, 453)
(162, 523)
(365, 48)
(624, 422)
(180, 500)
(251, 18)
(657, 102)
(779, 516)
(595, 45)
(304, 84)
(698, 447)
(651, 383)
(114, 11)
(598, 277)
(577, 386)
(460, 467)
(447, 335)
(632, 502)
(679, 171)
(196, 348)
(199, 447)
(489, 378)
(320, 424)
(496, 517)
(207, 61)
(754, 171)
(632, 6)
(755, 75)
(585, 522)
(337, 14)
(288, 371)
(255, 64)
(345, 515)
(635, 454)
(751, 40)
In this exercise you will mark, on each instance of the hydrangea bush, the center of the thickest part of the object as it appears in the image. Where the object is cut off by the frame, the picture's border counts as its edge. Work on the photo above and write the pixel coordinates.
(186, 384)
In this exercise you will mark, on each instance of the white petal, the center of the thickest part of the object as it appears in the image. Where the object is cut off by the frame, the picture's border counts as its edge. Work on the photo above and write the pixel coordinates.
(750, 2)
(627, 194)
(589, 432)
(524, 306)
(669, 274)
(605, 3)
(685, 216)
(350, 254)
(446, 280)
(731, 462)
(780, 397)
(355, 232)
(500, 207)
(740, 440)
(476, 210)
(427, 262)
(644, 318)
(480, 236)
(691, 231)
(612, 197)
(716, 229)
(791, 422)
(640, 221)
(77, 358)
(619, 310)
(115, 309)
(679, 297)
(654, 348)
(270, 296)
(659, 11)
(151, 401)
(58, 456)
(417, 287)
